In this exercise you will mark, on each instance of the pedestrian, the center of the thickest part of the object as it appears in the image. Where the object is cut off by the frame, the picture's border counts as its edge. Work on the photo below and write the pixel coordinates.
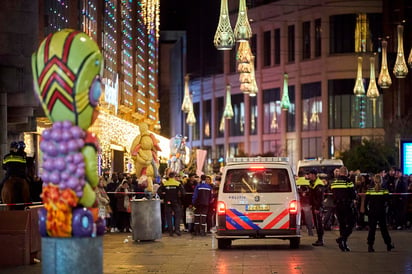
(400, 201)
(316, 196)
(103, 202)
(111, 189)
(376, 199)
(303, 186)
(123, 196)
(202, 198)
(344, 195)
(189, 187)
(172, 193)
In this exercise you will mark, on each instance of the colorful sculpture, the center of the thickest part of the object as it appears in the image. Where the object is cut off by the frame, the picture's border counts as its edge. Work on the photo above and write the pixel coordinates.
(144, 154)
(178, 153)
(66, 71)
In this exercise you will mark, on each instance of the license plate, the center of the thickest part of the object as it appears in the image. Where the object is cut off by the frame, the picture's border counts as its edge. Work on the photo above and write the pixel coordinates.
(257, 207)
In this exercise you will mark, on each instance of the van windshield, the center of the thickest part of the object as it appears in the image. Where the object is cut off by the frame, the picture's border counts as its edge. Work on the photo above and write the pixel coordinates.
(326, 169)
(256, 181)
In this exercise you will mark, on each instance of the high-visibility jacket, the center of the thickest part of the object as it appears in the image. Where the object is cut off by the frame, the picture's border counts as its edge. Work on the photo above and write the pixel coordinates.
(376, 201)
(171, 191)
(15, 165)
(343, 190)
(316, 193)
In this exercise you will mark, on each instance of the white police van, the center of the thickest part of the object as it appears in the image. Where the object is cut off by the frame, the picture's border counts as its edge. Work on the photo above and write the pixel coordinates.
(258, 199)
(322, 166)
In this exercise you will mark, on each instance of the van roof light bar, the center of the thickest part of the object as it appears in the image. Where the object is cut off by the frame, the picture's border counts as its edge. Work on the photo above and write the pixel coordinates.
(257, 159)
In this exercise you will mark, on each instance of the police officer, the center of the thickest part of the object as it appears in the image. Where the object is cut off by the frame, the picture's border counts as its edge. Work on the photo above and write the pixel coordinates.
(202, 198)
(344, 194)
(172, 192)
(376, 199)
(14, 163)
(303, 190)
(316, 196)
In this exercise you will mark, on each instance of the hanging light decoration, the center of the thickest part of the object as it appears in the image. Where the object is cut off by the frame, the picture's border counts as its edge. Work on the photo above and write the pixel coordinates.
(187, 102)
(410, 59)
(244, 53)
(191, 119)
(384, 79)
(363, 41)
(228, 112)
(400, 70)
(274, 122)
(243, 32)
(373, 91)
(359, 89)
(224, 38)
(243, 57)
(253, 89)
(285, 102)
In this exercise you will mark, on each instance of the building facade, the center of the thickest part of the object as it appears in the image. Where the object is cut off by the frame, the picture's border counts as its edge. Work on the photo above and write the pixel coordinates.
(127, 33)
(315, 45)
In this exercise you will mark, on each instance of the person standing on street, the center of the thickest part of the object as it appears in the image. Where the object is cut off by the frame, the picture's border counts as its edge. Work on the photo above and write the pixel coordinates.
(344, 194)
(202, 198)
(172, 193)
(316, 196)
(303, 190)
(376, 199)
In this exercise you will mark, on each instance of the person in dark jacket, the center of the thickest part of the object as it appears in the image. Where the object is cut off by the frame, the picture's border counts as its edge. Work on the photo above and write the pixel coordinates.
(316, 196)
(172, 193)
(376, 199)
(202, 198)
(304, 189)
(344, 195)
(189, 187)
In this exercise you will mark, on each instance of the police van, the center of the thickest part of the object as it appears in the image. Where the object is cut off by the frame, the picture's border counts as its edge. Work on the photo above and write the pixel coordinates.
(257, 199)
(322, 166)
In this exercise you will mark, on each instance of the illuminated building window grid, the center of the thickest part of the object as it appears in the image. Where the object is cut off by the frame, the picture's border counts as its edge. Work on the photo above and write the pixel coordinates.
(109, 40)
(127, 58)
(89, 16)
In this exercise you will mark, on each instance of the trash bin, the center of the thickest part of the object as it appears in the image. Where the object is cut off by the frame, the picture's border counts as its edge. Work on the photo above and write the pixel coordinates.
(146, 220)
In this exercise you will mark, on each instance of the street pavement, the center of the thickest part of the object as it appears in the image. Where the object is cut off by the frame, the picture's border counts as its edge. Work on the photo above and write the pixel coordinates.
(190, 254)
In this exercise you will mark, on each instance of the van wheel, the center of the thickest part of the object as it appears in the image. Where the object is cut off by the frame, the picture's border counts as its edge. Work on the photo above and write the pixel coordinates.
(294, 243)
(224, 243)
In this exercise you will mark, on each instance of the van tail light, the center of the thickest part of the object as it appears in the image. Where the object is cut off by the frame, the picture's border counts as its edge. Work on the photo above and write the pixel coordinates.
(221, 208)
(293, 207)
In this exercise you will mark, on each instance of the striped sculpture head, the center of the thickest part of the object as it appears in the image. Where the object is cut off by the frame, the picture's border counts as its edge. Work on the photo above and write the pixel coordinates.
(66, 71)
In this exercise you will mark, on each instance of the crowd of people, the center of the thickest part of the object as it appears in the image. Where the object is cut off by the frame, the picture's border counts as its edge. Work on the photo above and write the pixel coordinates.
(355, 200)
(346, 199)
(188, 201)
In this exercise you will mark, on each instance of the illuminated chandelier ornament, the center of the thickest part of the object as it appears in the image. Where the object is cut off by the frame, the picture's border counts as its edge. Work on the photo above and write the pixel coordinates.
(253, 89)
(243, 31)
(373, 91)
(224, 37)
(410, 59)
(244, 53)
(274, 122)
(285, 102)
(400, 69)
(363, 41)
(359, 89)
(187, 102)
(384, 79)
(191, 119)
(228, 112)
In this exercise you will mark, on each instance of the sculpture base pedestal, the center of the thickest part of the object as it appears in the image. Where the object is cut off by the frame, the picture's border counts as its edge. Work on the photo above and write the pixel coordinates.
(72, 255)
